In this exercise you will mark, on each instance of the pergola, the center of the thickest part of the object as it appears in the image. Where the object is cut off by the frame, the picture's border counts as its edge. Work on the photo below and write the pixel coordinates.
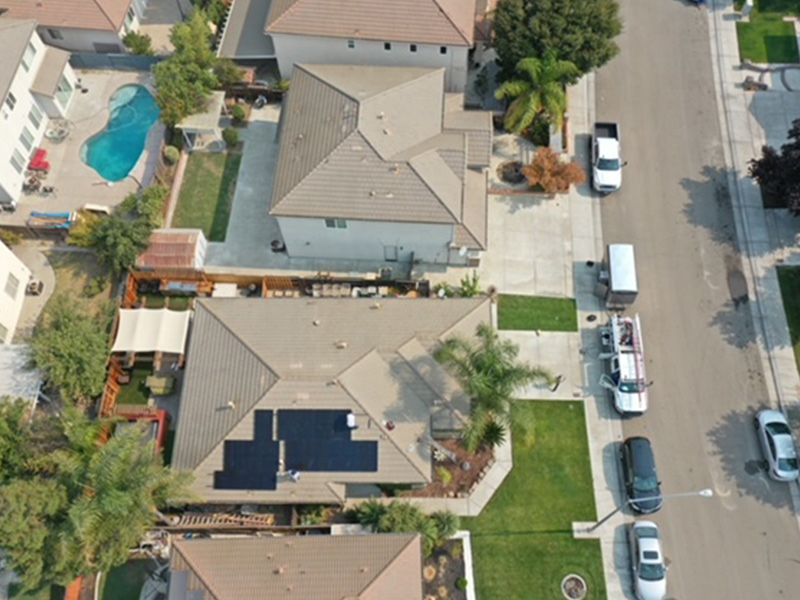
(204, 123)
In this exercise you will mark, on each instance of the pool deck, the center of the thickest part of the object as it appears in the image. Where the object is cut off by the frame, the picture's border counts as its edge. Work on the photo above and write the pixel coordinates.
(76, 183)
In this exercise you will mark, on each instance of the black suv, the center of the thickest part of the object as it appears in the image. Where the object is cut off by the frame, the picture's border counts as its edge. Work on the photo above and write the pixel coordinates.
(639, 475)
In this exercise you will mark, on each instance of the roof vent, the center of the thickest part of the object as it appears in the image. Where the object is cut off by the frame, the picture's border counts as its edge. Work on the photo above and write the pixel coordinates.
(280, 570)
(376, 305)
(270, 556)
(231, 404)
(341, 345)
(373, 193)
(381, 115)
(316, 322)
(387, 132)
(395, 169)
(389, 195)
(364, 570)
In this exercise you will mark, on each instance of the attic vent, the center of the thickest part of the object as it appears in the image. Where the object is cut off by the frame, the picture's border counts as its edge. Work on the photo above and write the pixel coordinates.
(364, 570)
(373, 193)
(341, 345)
(280, 570)
(376, 306)
(389, 195)
(387, 132)
(381, 115)
(357, 148)
(316, 322)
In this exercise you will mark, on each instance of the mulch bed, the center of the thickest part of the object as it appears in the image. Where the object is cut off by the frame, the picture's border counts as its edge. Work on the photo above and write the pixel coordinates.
(461, 480)
(441, 571)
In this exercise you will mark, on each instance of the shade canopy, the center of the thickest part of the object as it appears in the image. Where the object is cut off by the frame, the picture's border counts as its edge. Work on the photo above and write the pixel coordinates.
(152, 330)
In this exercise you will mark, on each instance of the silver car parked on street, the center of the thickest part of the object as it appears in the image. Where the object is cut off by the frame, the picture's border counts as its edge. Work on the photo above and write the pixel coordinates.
(647, 561)
(775, 437)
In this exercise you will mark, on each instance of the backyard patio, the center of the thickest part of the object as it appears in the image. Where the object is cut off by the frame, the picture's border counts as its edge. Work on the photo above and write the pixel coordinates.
(75, 183)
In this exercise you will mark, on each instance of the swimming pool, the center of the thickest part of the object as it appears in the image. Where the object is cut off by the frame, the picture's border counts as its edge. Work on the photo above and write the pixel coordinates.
(114, 152)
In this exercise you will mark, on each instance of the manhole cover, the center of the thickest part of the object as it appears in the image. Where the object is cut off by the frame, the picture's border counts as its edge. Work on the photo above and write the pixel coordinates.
(573, 587)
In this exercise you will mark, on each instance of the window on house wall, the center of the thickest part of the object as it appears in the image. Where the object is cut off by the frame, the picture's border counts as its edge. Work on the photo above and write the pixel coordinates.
(35, 116)
(413, 47)
(129, 18)
(351, 44)
(335, 223)
(12, 286)
(63, 91)
(17, 161)
(3, 333)
(442, 49)
(387, 46)
(26, 137)
(11, 101)
(55, 34)
(27, 58)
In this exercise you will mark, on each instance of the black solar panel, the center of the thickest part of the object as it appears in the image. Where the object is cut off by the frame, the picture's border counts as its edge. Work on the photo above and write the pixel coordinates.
(313, 424)
(333, 455)
(250, 465)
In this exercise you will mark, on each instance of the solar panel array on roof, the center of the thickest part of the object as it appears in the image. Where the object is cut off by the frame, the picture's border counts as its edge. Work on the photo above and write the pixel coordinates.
(251, 465)
(320, 440)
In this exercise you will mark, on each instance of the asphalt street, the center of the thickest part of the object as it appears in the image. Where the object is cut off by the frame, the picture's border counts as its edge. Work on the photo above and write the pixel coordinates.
(707, 382)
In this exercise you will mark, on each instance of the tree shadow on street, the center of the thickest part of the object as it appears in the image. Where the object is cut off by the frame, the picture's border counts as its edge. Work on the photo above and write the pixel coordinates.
(710, 207)
(734, 443)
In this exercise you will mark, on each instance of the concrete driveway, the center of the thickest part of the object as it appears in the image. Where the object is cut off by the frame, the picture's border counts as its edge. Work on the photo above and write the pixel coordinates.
(702, 355)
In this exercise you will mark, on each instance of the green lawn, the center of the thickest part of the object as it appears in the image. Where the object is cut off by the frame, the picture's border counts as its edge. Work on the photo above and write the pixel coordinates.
(207, 193)
(536, 313)
(522, 542)
(125, 582)
(135, 392)
(789, 280)
(767, 38)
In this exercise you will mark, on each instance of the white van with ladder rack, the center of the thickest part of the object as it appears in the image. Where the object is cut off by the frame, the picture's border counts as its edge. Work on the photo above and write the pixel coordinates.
(623, 349)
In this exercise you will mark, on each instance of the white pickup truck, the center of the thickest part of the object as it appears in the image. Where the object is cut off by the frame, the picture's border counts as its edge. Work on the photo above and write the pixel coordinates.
(624, 350)
(606, 158)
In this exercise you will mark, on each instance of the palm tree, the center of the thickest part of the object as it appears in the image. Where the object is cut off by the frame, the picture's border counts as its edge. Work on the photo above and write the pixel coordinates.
(491, 374)
(540, 90)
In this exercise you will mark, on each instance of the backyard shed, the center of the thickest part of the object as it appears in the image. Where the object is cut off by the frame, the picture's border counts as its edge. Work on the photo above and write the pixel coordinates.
(202, 130)
(152, 330)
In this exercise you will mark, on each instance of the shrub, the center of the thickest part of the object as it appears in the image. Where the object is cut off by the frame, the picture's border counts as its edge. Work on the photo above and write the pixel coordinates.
(231, 137)
(237, 112)
(227, 72)
(370, 513)
(138, 43)
(445, 475)
(94, 287)
(552, 175)
(10, 238)
(282, 85)
(470, 285)
(171, 155)
(461, 583)
(444, 289)
(446, 523)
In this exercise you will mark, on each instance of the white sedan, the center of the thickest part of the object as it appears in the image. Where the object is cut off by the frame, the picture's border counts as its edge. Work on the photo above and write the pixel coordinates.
(776, 441)
(647, 561)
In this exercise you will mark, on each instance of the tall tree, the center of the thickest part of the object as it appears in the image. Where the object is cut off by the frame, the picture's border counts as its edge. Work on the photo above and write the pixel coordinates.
(490, 372)
(70, 348)
(185, 80)
(579, 31)
(79, 507)
(119, 241)
(539, 90)
(778, 173)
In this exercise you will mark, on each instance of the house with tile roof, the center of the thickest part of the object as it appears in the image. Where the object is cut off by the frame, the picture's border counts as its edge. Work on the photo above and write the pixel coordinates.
(322, 567)
(80, 25)
(381, 164)
(36, 84)
(293, 401)
(405, 33)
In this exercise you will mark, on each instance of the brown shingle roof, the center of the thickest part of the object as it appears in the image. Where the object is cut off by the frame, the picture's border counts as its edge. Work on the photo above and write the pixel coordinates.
(106, 15)
(357, 567)
(373, 143)
(446, 22)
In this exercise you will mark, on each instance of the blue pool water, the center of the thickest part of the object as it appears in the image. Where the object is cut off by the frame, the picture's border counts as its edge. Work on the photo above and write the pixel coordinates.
(114, 152)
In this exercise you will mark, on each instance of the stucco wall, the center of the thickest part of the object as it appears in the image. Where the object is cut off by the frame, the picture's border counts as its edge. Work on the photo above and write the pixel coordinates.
(366, 240)
(12, 123)
(292, 49)
(10, 307)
